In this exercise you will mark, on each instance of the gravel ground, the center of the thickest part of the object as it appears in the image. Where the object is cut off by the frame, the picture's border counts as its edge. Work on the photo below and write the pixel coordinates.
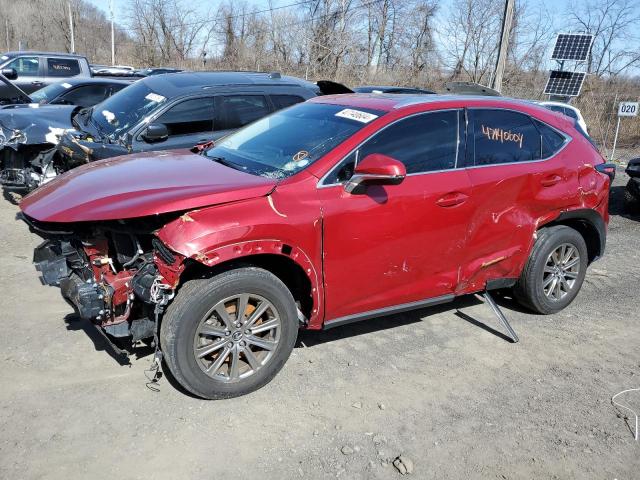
(438, 386)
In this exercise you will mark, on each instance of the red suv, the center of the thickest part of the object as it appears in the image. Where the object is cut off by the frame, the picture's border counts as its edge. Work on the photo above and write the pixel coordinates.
(334, 210)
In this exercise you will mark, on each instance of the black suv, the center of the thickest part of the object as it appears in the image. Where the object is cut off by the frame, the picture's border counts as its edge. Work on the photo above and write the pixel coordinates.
(159, 112)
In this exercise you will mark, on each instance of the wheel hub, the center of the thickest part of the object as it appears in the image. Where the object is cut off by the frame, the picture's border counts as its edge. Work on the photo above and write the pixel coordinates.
(561, 271)
(237, 337)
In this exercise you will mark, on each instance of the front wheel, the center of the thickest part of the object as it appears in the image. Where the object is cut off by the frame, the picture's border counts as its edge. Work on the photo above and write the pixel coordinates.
(632, 196)
(231, 334)
(554, 272)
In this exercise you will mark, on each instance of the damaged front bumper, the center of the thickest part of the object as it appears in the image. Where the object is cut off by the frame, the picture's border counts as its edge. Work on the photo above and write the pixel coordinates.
(121, 302)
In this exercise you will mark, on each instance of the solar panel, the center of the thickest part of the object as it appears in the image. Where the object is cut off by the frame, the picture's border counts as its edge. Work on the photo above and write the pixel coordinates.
(564, 83)
(572, 46)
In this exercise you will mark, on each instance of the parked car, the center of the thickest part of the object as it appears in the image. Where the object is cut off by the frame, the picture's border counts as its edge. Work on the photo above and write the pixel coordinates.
(568, 110)
(82, 92)
(145, 72)
(30, 71)
(632, 190)
(159, 112)
(390, 89)
(113, 71)
(338, 209)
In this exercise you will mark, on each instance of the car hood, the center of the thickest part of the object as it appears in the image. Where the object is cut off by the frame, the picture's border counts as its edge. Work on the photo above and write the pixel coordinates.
(32, 126)
(141, 185)
(16, 94)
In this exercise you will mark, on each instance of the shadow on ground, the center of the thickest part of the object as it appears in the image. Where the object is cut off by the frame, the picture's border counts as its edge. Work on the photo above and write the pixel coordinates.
(307, 338)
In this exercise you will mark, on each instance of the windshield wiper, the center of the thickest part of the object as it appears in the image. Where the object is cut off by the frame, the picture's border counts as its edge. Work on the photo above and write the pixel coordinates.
(227, 163)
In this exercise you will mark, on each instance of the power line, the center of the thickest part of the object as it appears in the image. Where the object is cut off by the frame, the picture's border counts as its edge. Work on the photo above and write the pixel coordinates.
(241, 15)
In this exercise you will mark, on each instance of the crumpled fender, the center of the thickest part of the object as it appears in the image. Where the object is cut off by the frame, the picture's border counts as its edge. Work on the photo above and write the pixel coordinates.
(34, 126)
(78, 147)
(263, 225)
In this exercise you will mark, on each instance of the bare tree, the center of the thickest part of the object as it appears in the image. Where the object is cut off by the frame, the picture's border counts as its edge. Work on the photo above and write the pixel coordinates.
(470, 38)
(167, 30)
(614, 24)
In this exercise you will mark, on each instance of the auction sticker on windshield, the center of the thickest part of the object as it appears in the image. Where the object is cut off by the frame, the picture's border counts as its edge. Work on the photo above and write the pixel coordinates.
(66, 85)
(357, 115)
(154, 97)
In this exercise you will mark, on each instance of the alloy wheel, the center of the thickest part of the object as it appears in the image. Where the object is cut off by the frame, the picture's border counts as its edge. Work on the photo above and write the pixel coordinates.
(561, 271)
(237, 337)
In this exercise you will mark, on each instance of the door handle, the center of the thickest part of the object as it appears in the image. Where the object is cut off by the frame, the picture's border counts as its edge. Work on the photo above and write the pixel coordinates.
(37, 83)
(452, 199)
(551, 180)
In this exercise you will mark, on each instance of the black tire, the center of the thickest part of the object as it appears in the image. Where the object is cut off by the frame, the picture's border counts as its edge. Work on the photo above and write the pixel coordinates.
(529, 290)
(189, 308)
(632, 197)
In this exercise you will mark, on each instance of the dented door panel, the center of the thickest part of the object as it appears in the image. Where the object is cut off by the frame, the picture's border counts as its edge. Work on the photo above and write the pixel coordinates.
(513, 198)
(510, 201)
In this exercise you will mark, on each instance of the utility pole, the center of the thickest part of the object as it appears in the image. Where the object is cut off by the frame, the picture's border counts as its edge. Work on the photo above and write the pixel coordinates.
(504, 45)
(6, 28)
(73, 43)
(113, 36)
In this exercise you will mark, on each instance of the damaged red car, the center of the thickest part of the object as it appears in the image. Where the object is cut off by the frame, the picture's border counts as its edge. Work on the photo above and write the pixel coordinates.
(338, 209)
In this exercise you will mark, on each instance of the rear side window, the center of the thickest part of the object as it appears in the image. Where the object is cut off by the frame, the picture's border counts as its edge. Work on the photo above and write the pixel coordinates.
(188, 117)
(284, 101)
(116, 87)
(62, 67)
(503, 136)
(552, 141)
(85, 96)
(235, 111)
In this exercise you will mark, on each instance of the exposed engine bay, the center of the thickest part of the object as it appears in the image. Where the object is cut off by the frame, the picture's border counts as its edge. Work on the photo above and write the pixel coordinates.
(29, 166)
(28, 137)
(115, 274)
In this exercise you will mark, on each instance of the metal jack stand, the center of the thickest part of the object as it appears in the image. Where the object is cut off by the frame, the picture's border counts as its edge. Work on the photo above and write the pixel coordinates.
(496, 309)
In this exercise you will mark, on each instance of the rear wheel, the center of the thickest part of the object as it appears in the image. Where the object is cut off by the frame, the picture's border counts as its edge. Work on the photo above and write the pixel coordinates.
(229, 335)
(554, 272)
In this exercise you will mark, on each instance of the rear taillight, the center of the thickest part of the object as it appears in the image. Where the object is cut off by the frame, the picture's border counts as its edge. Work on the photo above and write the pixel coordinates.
(609, 169)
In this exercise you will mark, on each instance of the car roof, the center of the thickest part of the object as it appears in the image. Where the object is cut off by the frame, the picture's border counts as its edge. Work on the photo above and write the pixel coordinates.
(389, 102)
(73, 81)
(383, 88)
(36, 52)
(179, 83)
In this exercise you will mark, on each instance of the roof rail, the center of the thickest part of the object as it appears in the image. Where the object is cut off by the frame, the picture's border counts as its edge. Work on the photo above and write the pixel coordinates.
(470, 88)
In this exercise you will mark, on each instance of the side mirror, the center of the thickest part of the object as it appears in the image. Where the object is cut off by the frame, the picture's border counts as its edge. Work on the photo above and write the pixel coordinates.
(375, 169)
(155, 132)
(10, 73)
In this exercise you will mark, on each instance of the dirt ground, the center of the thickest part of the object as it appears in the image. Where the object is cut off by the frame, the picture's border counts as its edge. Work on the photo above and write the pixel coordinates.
(439, 386)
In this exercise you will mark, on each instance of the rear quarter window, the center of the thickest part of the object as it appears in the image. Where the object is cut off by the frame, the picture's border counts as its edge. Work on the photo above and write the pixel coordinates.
(62, 67)
(552, 141)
